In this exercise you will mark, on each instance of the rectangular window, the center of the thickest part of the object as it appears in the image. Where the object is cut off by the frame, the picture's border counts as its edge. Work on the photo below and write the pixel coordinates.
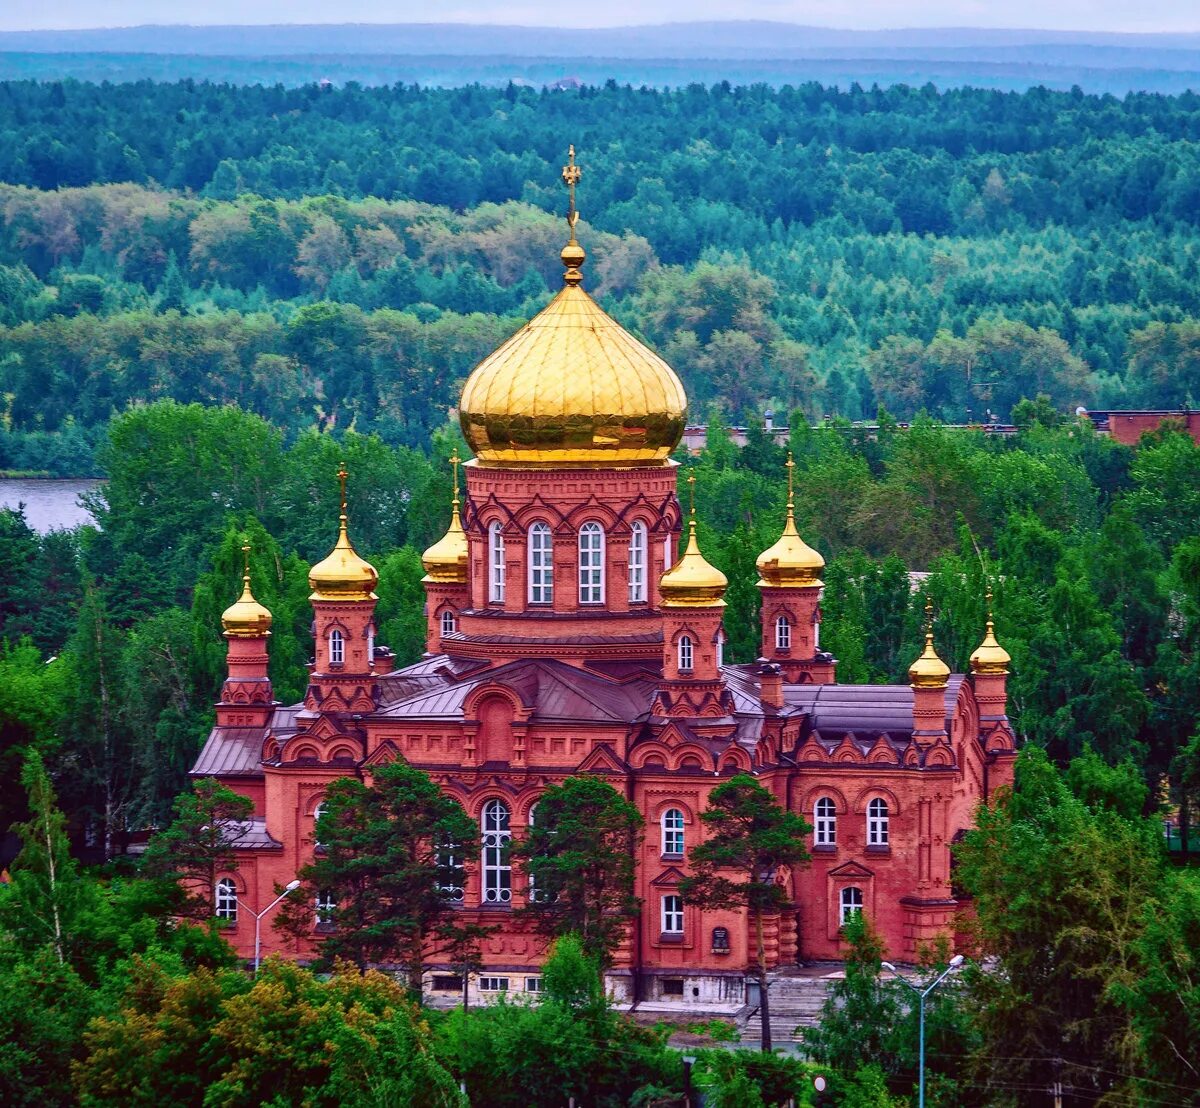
(591, 564)
(533, 984)
(637, 564)
(493, 984)
(447, 983)
(672, 986)
(541, 565)
(496, 566)
(672, 915)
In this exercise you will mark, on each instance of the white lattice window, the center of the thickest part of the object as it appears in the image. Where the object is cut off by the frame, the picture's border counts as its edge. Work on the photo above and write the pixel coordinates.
(783, 633)
(638, 547)
(825, 822)
(851, 903)
(672, 915)
(877, 823)
(591, 564)
(226, 903)
(493, 984)
(337, 647)
(450, 870)
(497, 868)
(541, 565)
(496, 563)
(686, 653)
(448, 624)
(326, 905)
(672, 831)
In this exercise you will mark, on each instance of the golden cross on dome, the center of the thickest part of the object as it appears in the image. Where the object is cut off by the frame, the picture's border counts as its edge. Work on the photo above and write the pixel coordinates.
(455, 462)
(989, 601)
(790, 466)
(692, 495)
(245, 560)
(342, 475)
(928, 616)
(570, 175)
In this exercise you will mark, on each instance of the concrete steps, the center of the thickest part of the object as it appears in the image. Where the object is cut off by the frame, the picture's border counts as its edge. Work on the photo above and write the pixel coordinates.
(796, 1003)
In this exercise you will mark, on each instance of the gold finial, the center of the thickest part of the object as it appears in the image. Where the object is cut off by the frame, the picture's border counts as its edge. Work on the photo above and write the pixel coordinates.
(246, 561)
(692, 499)
(928, 671)
(988, 594)
(791, 501)
(455, 462)
(246, 618)
(342, 475)
(692, 582)
(572, 254)
(990, 658)
(343, 575)
(928, 618)
(446, 560)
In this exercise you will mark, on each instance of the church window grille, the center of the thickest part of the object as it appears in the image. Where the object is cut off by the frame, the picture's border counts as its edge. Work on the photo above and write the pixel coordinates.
(637, 563)
(541, 565)
(496, 563)
(672, 914)
(591, 564)
(783, 633)
(450, 870)
(686, 654)
(497, 867)
(672, 832)
(337, 647)
(852, 903)
(226, 900)
(877, 823)
(825, 822)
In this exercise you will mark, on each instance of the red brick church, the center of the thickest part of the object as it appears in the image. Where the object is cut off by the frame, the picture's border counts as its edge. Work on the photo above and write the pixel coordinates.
(567, 635)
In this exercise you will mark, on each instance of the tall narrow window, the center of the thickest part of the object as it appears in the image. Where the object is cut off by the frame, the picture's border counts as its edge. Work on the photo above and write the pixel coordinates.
(672, 915)
(591, 564)
(533, 894)
(316, 816)
(783, 633)
(852, 903)
(877, 823)
(638, 540)
(496, 563)
(541, 565)
(825, 822)
(226, 900)
(326, 906)
(497, 868)
(450, 870)
(672, 832)
(686, 653)
(448, 624)
(337, 647)
(719, 647)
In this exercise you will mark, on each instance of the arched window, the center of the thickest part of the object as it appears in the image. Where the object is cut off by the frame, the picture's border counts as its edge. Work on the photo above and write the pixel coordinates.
(719, 647)
(326, 905)
(825, 822)
(672, 832)
(337, 647)
(497, 869)
(316, 816)
(783, 633)
(541, 565)
(448, 624)
(852, 903)
(450, 870)
(638, 544)
(532, 893)
(877, 823)
(495, 563)
(672, 915)
(591, 564)
(686, 653)
(226, 900)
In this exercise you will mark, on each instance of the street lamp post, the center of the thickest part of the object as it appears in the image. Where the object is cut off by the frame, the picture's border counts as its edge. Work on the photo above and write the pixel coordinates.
(291, 886)
(955, 962)
(689, 1060)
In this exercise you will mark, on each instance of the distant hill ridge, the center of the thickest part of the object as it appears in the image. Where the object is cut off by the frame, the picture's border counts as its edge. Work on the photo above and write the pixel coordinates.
(733, 39)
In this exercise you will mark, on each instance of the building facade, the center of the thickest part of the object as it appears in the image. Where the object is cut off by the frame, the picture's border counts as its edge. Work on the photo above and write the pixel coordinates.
(568, 634)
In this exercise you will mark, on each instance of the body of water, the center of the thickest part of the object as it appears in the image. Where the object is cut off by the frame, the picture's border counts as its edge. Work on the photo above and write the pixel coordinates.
(50, 505)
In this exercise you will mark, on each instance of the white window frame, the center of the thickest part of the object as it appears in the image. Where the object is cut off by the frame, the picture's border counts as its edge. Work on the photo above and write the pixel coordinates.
(719, 648)
(673, 834)
(671, 914)
(639, 540)
(496, 566)
(449, 624)
(325, 905)
(591, 563)
(496, 826)
(850, 900)
(448, 856)
(533, 985)
(878, 831)
(824, 822)
(540, 551)
(337, 648)
(492, 984)
(225, 901)
(783, 633)
(687, 654)
(316, 816)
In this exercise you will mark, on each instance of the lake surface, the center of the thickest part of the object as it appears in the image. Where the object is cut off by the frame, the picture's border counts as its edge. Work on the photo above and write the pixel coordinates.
(50, 505)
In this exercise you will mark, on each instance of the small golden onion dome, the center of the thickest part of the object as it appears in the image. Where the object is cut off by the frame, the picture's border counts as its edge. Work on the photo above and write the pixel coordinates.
(929, 671)
(246, 618)
(693, 581)
(343, 575)
(446, 560)
(990, 658)
(791, 563)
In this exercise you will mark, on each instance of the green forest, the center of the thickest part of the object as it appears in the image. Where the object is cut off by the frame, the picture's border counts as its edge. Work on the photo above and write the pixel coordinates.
(212, 295)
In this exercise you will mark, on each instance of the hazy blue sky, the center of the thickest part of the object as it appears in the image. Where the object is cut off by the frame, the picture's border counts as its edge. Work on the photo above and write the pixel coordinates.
(1089, 15)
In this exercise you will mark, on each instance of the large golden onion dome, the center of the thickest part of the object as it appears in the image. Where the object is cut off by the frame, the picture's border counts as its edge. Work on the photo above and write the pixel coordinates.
(929, 671)
(990, 658)
(246, 618)
(693, 581)
(791, 563)
(343, 575)
(446, 560)
(572, 387)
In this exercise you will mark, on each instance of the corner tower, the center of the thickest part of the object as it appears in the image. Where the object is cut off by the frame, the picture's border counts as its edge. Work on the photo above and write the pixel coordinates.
(246, 696)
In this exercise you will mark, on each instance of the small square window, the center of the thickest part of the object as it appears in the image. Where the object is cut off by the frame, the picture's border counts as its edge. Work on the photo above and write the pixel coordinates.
(533, 984)
(672, 986)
